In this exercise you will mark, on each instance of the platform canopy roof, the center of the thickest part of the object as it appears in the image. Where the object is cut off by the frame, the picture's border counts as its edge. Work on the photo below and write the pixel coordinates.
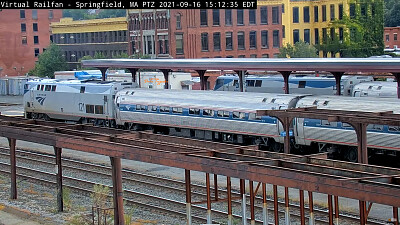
(382, 65)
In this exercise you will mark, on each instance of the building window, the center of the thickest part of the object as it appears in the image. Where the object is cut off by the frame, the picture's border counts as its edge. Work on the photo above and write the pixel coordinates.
(307, 36)
(395, 37)
(340, 11)
(275, 39)
(240, 38)
(332, 33)
(324, 35)
(265, 55)
(22, 14)
(316, 36)
(324, 13)
(228, 17)
(352, 10)
(306, 14)
(35, 27)
(264, 15)
(296, 36)
(239, 16)
(215, 17)
(23, 27)
(179, 43)
(217, 41)
(253, 56)
(387, 37)
(341, 34)
(264, 39)
(204, 41)
(363, 9)
(295, 14)
(35, 40)
(253, 39)
(51, 14)
(316, 15)
(34, 14)
(36, 52)
(228, 40)
(241, 56)
(332, 12)
(275, 15)
(283, 31)
(178, 21)
(203, 17)
(24, 40)
(252, 16)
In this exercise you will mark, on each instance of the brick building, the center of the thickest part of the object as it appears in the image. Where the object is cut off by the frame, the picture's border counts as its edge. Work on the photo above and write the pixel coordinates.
(88, 37)
(392, 37)
(24, 34)
(230, 33)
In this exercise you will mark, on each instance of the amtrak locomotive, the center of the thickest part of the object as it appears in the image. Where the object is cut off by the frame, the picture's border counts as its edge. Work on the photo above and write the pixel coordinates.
(218, 116)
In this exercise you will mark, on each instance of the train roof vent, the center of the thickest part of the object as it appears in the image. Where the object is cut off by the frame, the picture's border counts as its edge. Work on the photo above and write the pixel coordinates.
(273, 100)
(326, 102)
(315, 102)
(265, 100)
(370, 87)
(379, 88)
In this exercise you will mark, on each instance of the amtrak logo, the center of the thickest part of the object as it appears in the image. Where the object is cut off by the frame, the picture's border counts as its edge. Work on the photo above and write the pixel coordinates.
(40, 100)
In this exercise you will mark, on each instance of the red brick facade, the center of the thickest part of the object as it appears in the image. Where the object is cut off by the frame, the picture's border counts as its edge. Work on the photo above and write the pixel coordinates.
(23, 38)
(391, 37)
(191, 32)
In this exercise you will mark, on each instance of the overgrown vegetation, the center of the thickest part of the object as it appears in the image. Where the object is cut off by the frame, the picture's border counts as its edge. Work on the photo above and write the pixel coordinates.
(361, 34)
(300, 49)
(84, 14)
(49, 61)
(392, 13)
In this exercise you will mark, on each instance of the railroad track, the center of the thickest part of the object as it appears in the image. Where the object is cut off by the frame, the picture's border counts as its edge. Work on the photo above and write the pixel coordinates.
(150, 182)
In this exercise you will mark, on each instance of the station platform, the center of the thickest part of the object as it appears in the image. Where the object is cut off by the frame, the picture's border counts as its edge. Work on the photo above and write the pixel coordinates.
(11, 216)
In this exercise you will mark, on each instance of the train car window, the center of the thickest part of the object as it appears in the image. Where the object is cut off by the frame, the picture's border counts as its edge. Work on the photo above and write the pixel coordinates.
(236, 83)
(226, 113)
(41, 87)
(194, 111)
(302, 84)
(238, 115)
(220, 113)
(90, 109)
(152, 108)
(176, 110)
(47, 88)
(370, 87)
(379, 88)
(82, 89)
(99, 109)
(376, 127)
(140, 108)
(346, 125)
(326, 123)
(250, 83)
(394, 128)
(38, 87)
(208, 112)
(273, 100)
(258, 83)
(164, 109)
(252, 116)
(53, 88)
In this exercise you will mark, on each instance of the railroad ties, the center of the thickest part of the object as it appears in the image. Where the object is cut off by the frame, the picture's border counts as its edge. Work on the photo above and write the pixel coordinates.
(313, 173)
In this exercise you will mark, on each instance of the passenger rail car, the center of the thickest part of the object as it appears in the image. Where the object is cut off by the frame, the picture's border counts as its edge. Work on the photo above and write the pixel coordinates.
(300, 84)
(218, 116)
(375, 89)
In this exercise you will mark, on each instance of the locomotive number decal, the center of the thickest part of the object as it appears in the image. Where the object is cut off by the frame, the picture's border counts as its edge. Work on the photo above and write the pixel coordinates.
(81, 106)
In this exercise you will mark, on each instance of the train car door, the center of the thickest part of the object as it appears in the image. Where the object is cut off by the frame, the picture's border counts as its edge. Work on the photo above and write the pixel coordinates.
(299, 131)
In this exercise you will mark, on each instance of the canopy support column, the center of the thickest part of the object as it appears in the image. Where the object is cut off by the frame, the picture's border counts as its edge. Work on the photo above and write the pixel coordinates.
(166, 73)
(133, 72)
(338, 77)
(103, 72)
(286, 75)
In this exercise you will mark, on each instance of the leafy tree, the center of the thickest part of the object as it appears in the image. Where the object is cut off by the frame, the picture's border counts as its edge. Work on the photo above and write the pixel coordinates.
(300, 49)
(362, 35)
(49, 61)
(392, 15)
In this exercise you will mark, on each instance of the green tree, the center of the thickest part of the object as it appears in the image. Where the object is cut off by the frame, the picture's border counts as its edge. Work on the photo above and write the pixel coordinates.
(392, 15)
(361, 35)
(49, 61)
(300, 49)
(83, 14)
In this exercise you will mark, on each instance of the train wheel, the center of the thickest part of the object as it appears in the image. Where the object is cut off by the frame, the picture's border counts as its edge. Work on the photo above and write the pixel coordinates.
(352, 154)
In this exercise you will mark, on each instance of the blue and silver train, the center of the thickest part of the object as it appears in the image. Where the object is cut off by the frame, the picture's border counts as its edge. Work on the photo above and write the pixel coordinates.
(298, 84)
(217, 116)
